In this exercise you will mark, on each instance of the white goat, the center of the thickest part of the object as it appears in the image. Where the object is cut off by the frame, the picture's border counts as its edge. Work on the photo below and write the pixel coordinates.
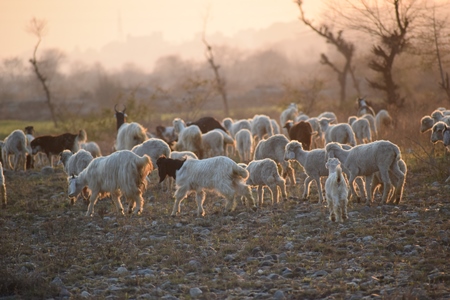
(275, 126)
(3, 199)
(330, 115)
(383, 122)
(15, 144)
(265, 173)
(289, 113)
(130, 135)
(426, 123)
(244, 145)
(313, 162)
(437, 132)
(234, 127)
(361, 129)
(341, 133)
(213, 143)
(317, 140)
(373, 126)
(189, 138)
(75, 163)
(122, 172)
(273, 148)
(220, 174)
(93, 148)
(182, 155)
(365, 160)
(336, 191)
(378, 183)
(261, 127)
(154, 148)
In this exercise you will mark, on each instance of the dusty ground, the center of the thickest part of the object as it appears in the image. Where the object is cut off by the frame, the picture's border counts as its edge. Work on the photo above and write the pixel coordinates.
(49, 249)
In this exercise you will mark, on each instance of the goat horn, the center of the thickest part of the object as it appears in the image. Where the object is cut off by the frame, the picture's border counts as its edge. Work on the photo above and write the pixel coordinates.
(115, 108)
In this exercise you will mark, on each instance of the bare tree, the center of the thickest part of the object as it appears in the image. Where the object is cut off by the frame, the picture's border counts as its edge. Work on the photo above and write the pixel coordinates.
(434, 32)
(346, 48)
(38, 29)
(220, 84)
(391, 22)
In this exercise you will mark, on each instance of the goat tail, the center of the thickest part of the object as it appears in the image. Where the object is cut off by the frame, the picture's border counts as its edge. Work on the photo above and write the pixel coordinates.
(338, 174)
(240, 171)
(82, 136)
(145, 167)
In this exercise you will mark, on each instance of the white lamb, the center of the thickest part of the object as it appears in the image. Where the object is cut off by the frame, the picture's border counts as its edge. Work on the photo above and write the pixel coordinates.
(265, 173)
(290, 113)
(189, 137)
(93, 148)
(426, 123)
(365, 160)
(3, 199)
(220, 174)
(273, 148)
(361, 128)
(341, 133)
(15, 144)
(244, 145)
(261, 127)
(336, 191)
(130, 135)
(437, 132)
(228, 141)
(121, 173)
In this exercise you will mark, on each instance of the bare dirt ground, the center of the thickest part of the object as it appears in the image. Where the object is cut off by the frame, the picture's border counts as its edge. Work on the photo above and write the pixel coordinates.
(50, 250)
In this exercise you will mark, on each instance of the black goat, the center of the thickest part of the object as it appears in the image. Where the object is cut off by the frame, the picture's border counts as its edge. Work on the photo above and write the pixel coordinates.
(168, 167)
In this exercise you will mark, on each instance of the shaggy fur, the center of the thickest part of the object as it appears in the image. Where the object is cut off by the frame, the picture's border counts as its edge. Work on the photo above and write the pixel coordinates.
(154, 148)
(383, 122)
(53, 145)
(15, 144)
(93, 148)
(130, 135)
(183, 155)
(189, 138)
(74, 164)
(265, 173)
(336, 191)
(121, 173)
(373, 126)
(220, 174)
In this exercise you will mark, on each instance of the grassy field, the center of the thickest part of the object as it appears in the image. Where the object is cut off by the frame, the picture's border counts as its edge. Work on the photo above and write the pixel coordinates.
(287, 251)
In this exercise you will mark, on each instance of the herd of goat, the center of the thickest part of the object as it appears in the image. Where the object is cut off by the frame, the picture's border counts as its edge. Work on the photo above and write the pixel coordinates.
(197, 157)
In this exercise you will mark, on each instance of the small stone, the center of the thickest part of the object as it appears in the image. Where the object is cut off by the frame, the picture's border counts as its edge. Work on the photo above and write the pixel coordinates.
(121, 270)
(279, 295)
(195, 292)
(85, 294)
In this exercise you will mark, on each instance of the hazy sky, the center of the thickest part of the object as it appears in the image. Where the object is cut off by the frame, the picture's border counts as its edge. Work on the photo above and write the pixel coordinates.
(93, 23)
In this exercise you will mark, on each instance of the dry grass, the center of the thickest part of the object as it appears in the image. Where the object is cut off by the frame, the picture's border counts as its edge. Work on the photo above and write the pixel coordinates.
(383, 251)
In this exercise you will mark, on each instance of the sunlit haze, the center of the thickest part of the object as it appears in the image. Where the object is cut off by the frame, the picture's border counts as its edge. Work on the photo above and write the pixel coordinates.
(84, 24)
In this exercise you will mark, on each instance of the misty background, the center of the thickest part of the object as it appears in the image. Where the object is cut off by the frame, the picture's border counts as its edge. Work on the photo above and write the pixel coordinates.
(264, 71)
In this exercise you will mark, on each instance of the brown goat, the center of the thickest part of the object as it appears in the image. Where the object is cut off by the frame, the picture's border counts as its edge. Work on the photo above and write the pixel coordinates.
(302, 132)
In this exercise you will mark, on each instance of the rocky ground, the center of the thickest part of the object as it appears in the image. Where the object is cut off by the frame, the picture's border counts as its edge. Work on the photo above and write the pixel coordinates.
(49, 249)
